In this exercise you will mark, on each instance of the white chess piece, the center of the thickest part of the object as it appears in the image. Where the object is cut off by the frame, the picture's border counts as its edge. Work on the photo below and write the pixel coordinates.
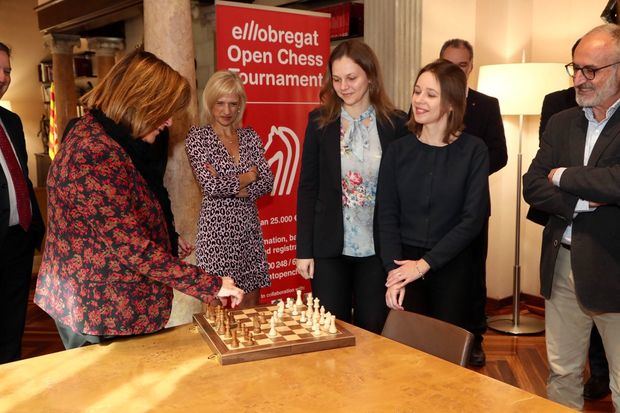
(295, 312)
(299, 302)
(302, 319)
(322, 311)
(309, 316)
(321, 319)
(280, 310)
(272, 332)
(327, 321)
(332, 326)
(315, 330)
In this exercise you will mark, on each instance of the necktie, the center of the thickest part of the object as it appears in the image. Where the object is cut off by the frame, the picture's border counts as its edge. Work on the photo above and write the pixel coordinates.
(19, 181)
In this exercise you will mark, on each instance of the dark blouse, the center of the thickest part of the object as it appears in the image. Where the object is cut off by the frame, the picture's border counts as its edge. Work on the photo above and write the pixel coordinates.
(432, 197)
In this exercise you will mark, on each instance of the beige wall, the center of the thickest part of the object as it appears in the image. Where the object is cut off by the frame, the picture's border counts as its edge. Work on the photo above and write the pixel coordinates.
(19, 30)
(500, 30)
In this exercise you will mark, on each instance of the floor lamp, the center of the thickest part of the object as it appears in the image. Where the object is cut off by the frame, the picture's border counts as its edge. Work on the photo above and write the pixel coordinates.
(520, 88)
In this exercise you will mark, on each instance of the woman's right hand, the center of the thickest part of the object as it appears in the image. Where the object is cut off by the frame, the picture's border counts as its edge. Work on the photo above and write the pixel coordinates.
(305, 267)
(394, 297)
(228, 289)
(247, 178)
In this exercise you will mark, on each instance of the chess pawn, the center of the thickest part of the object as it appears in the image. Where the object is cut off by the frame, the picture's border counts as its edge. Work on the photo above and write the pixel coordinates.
(299, 302)
(289, 302)
(295, 312)
(280, 309)
(227, 331)
(321, 319)
(322, 311)
(332, 325)
(302, 319)
(315, 330)
(252, 340)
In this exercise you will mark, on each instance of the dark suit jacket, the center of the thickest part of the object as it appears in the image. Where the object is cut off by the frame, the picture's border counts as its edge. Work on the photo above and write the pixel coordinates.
(484, 120)
(553, 103)
(320, 232)
(13, 125)
(595, 242)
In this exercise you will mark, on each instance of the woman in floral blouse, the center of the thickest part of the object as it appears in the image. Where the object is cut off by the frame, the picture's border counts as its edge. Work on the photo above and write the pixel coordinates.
(108, 268)
(336, 229)
(229, 163)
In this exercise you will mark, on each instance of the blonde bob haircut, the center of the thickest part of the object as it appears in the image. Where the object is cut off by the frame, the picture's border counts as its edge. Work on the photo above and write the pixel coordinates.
(140, 92)
(223, 82)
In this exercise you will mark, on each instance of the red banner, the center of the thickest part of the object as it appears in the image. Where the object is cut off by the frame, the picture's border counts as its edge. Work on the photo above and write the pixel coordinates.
(280, 55)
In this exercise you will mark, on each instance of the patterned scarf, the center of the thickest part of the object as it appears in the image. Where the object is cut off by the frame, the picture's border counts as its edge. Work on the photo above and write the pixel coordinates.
(356, 137)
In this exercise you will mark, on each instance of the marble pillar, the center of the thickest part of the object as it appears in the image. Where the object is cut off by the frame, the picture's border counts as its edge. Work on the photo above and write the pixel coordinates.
(168, 34)
(105, 49)
(393, 29)
(61, 47)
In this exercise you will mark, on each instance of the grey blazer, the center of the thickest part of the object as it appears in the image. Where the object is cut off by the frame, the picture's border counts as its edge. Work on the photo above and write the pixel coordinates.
(595, 244)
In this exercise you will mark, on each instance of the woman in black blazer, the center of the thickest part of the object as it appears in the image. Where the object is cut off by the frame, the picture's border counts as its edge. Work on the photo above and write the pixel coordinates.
(336, 226)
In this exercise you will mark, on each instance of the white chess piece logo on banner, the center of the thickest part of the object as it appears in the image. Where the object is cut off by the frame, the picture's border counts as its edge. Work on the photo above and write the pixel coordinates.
(286, 159)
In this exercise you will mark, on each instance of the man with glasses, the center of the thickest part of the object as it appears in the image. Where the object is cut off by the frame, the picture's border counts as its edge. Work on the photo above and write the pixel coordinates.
(575, 178)
(597, 385)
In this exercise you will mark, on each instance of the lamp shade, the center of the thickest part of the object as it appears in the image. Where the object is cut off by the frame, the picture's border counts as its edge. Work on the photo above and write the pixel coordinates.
(5, 104)
(521, 87)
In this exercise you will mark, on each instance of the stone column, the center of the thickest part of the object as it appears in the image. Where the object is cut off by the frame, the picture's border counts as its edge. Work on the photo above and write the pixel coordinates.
(393, 29)
(168, 34)
(61, 47)
(105, 49)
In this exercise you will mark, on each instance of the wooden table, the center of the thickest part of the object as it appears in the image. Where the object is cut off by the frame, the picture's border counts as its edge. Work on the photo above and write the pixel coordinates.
(171, 372)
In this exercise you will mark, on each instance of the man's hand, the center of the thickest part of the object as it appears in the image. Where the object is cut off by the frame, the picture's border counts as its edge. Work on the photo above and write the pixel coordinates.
(305, 267)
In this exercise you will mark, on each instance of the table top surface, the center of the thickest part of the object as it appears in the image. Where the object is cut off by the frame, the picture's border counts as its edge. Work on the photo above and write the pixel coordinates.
(172, 371)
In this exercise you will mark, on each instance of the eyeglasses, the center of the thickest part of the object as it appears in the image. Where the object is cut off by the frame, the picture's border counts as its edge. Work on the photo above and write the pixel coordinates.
(588, 72)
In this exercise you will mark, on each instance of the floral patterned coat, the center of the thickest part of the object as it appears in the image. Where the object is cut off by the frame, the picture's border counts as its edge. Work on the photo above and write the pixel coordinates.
(107, 267)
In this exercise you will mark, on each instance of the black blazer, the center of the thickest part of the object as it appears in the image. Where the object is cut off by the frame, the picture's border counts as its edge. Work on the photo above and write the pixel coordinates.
(320, 232)
(553, 103)
(484, 120)
(595, 242)
(13, 125)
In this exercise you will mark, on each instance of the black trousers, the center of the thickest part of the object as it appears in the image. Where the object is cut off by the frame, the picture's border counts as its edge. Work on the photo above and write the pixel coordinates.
(445, 293)
(478, 320)
(596, 355)
(353, 289)
(16, 254)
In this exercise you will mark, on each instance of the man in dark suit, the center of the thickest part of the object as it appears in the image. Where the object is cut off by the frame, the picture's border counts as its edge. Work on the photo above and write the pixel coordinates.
(597, 385)
(21, 225)
(575, 178)
(482, 119)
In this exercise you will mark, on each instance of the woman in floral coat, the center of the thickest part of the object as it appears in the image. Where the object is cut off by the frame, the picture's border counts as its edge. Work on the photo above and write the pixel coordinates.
(108, 268)
(336, 229)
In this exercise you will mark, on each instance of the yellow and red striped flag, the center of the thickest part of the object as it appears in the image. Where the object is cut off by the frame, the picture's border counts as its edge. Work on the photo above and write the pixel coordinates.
(53, 142)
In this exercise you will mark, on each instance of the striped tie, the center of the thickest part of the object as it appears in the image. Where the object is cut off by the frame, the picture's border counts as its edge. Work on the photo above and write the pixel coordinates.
(19, 181)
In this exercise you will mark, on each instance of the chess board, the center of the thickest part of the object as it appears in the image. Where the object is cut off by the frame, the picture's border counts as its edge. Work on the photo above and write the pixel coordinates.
(292, 337)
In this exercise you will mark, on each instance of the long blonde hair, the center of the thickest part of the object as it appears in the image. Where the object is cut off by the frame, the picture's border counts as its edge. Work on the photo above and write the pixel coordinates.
(140, 92)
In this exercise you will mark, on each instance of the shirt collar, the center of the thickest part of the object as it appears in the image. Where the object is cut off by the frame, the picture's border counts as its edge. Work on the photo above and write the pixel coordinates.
(610, 111)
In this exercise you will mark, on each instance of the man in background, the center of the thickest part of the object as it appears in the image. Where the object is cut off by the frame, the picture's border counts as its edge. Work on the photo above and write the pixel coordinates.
(482, 119)
(21, 224)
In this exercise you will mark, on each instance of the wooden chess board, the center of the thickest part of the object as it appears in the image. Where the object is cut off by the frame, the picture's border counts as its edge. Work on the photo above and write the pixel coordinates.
(292, 338)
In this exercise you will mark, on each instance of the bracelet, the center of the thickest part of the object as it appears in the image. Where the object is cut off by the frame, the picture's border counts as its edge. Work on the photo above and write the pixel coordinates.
(419, 272)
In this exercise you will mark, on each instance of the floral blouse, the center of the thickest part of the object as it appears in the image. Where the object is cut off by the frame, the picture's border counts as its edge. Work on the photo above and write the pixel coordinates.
(360, 157)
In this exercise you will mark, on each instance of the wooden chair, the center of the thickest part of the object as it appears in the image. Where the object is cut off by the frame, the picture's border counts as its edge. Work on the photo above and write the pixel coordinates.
(436, 337)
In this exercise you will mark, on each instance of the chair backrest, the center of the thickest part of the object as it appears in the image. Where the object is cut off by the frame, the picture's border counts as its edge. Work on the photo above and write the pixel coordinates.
(436, 337)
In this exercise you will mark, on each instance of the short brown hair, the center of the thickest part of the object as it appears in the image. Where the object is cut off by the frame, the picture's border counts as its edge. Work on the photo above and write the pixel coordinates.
(6, 49)
(458, 44)
(365, 58)
(140, 92)
(453, 85)
(223, 82)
